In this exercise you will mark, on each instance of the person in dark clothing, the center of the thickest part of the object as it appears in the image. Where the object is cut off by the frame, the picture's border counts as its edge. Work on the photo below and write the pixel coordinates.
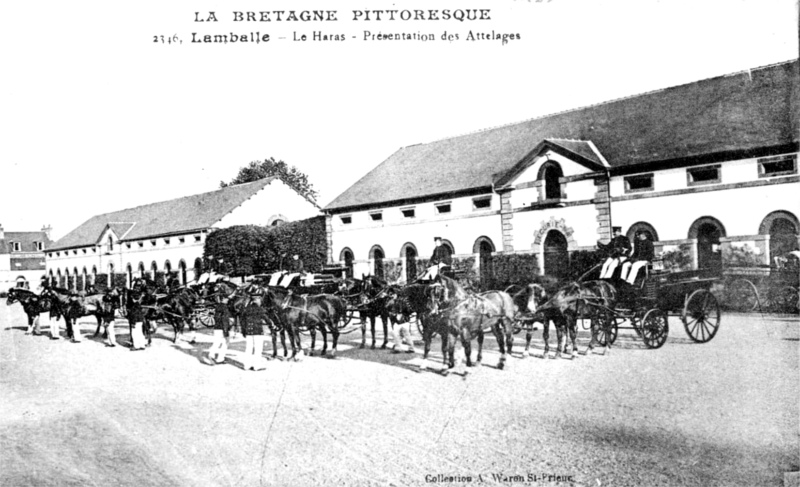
(618, 249)
(296, 269)
(642, 254)
(440, 260)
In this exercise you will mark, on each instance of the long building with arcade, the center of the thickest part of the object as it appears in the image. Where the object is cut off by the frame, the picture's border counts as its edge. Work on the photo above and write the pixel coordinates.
(708, 169)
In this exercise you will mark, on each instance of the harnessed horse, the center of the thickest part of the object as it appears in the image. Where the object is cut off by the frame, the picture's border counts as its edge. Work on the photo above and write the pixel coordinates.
(372, 295)
(316, 311)
(71, 307)
(33, 305)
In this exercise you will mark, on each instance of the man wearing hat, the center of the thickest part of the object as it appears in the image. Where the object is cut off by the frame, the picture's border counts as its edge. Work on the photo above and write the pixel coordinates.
(440, 260)
(618, 251)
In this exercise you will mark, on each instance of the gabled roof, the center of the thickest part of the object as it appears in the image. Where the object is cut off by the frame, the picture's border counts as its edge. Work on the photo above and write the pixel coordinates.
(580, 151)
(733, 114)
(181, 215)
(27, 241)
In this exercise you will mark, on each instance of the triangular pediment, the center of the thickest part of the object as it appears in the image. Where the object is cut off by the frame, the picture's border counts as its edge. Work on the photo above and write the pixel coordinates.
(580, 152)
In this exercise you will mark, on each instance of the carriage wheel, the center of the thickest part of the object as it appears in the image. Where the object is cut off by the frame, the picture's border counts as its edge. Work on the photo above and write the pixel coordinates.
(206, 320)
(742, 296)
(604, 325)
(701, 315)
(655, 328)
(783, 299)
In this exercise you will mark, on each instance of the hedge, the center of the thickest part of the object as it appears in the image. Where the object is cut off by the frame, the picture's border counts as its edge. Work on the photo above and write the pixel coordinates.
(101, 282)
(511, 269)
(249, 249)
(120, 280)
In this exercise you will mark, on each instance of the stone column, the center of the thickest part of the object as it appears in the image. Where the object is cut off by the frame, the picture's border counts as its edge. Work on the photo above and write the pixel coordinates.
(506, 216)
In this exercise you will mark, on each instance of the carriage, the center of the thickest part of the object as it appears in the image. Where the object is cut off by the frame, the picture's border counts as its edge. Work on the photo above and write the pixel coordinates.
(765, 288)
(648, 304)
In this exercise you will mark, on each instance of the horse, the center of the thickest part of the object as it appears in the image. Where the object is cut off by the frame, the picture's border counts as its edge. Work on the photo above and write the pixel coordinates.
(71, 306)
(441, 295)
(493, 310)
(257, 294)
(175, 307)
(576, 299)
(316, 311)
(371, 295)
(33, 305)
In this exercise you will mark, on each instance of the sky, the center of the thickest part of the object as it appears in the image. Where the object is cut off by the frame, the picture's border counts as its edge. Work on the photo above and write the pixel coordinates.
(97, 114)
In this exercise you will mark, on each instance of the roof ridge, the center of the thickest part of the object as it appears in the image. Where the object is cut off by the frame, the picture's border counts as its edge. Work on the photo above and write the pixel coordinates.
(606, 102)
(271, 178)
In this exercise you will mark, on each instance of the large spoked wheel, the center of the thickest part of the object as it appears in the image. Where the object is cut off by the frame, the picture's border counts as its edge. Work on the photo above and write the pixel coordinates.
(206, 319)
(655, 328)
(742, 296)
(701, 315)
(604, 326)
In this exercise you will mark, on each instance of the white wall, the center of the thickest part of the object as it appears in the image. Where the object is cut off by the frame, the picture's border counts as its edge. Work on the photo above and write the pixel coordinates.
(581, 219)
(274, 200)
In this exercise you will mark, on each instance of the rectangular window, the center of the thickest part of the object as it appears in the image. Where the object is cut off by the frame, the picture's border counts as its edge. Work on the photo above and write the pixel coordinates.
(443, 208)
(141, 244)
(15, 246)
(703, 175)
(347, 220)
(640, 182)
(166, 241)
(127, 245)
(408, 212)
(777, 166)
(74, 252)
(39, 246)
(197, 238)
(84, 251)
(482, 203)
(153, 243)
(376, 217)
(181, 240)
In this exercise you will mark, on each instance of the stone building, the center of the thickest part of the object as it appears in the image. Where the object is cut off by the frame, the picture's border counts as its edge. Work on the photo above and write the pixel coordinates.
(167, 238)
(22, 258)
(708, 169)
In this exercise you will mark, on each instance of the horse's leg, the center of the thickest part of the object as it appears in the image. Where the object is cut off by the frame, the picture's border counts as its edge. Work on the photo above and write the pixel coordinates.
(322, 329)
(501, 337)
(363, 329)
(313, 332)
(372, 317)
(560, 326)
(481, 337)
(573, 334)
(466, 343)
(546, 338)
(274, 334)
(30, 324)
(283, 342)
(385, 321)
(335, 340)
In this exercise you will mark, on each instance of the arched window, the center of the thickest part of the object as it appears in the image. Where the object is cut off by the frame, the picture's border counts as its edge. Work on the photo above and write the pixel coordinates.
(645, 227)
(708, 231)
(409, 253)
(94, 275)
(110, 275)
(79, 285)
(110, 243)
(129, 277)
(347, 257)
(549, 174)
(153, 269)
(377, 255)
(783, 228)
(141, 269)
(167, 267)
(484, 247)
(449, 245)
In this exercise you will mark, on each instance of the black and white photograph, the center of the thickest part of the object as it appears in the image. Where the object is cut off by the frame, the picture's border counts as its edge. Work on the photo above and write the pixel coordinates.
(409, 243)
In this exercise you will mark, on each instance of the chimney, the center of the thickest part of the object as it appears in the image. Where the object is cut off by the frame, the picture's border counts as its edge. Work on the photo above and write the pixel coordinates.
(46, 229)
(2, 233)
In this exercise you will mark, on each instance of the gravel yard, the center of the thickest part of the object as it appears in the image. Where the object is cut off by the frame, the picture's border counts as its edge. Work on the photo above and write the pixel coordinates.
(720, 413)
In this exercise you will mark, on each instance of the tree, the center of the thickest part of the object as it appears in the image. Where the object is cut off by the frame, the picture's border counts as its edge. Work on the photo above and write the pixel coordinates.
(292, 176)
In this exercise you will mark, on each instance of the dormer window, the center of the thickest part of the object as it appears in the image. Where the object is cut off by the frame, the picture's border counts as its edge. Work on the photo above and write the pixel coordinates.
(703, 175)
(443, 208)
(39, 246)
(15, 246)
(377, 216)
(482, 203)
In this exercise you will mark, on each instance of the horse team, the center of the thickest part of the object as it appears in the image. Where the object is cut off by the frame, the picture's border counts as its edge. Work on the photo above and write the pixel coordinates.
(442, 307)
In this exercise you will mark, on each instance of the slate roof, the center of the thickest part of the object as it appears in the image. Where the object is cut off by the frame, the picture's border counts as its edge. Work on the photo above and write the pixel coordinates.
(181, 215)
(736, 113)
(27, 241)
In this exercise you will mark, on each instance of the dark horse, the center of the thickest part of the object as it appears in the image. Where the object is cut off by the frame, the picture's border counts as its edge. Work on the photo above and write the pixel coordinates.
(175, 306)
(321, 312)
(441, 296)
(258, 295)
(470, 317)
(370, 295)
(571, 302)
(71, 306)
(32, 304)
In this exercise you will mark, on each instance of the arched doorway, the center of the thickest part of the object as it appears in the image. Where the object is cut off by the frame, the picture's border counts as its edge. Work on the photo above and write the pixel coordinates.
(708, 231)
(182, 272)
(409, 253)
(141, 270)
(556, 257)
(377, 256)
(484, 248)
(346, 257)
(783, 228)
(198, 268)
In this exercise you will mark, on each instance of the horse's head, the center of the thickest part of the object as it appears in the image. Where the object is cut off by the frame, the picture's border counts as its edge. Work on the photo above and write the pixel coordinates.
(438, 297)
(536, 297)
(12, 296)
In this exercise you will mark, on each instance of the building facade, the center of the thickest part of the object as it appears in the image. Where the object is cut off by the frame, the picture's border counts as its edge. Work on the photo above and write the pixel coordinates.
(708, 169)
(22, 258)
(167, 238)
